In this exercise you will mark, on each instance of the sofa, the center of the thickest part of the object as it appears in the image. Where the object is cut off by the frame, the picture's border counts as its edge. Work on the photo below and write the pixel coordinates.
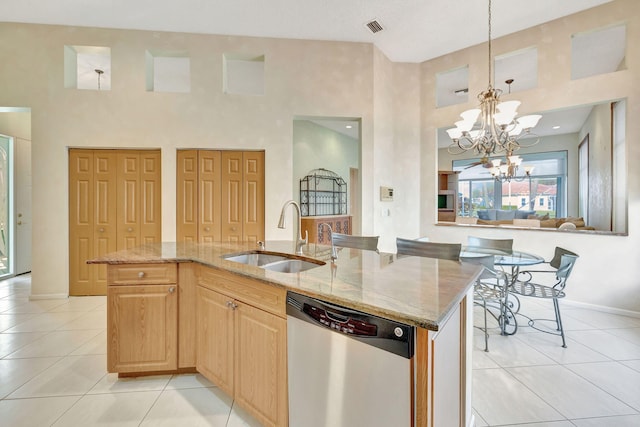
(506, 217)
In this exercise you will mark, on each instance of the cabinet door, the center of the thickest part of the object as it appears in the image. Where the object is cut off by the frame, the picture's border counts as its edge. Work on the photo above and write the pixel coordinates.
(142, 328)
(261, 364)
(92, 218)
(187, 196)
(209, 203)
(128, 199)
(214, 331)
(253, 196)
(232, 198)
(150, 191)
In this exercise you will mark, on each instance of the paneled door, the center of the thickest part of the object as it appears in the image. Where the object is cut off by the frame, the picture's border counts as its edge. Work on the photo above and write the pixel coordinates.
(220, 196)
(92, 218)
(114, 203)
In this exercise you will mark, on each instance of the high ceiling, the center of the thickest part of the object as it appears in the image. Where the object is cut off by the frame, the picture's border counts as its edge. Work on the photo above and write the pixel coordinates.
(413, 30)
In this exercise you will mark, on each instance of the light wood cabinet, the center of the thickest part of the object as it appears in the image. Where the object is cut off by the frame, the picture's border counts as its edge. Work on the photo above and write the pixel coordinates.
(241, 342)
(220, 196)
(142, 319)
(338, 223)
(114, 204)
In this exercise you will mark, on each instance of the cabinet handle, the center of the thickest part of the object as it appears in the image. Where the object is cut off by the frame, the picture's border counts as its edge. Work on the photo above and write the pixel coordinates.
(232, 305)
(207, 229)
(101, 229)
(172, 289)
(233, 228)
(19, 222)
(141, 274)
(129, 229)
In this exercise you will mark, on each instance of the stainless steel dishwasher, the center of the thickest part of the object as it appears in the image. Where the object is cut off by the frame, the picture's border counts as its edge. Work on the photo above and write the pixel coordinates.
(347, 368)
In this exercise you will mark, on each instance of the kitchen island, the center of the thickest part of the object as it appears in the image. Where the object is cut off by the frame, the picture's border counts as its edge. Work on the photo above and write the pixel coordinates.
(179, 306)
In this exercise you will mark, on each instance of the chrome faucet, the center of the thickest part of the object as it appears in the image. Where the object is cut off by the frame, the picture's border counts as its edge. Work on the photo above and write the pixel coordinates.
(283, 223)
(334, 254)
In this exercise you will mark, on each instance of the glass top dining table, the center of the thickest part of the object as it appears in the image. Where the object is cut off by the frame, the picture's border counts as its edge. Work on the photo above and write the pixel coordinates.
(510, 304)
(514, 259)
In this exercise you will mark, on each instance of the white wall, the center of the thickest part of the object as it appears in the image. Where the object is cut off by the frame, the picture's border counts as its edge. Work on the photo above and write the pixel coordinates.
(608, 271)
(302, 78)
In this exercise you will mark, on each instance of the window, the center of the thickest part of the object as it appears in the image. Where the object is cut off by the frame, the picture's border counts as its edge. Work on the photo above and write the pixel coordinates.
(452, 87)
(477, 189)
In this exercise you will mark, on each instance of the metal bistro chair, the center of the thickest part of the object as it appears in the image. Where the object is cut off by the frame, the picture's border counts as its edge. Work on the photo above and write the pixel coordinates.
(367, 243)
(428, 249)
(562, 264)
(499, 245)
(492, 294)
(488, 292)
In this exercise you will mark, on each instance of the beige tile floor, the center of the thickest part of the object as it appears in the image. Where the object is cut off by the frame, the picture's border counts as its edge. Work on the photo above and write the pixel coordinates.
(52, 373)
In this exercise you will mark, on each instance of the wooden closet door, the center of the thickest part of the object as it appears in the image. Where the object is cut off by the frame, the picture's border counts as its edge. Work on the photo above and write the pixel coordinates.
(105, 213)
(92, 218)
(253, 196)
(232, 198)
(187, 218)
(128, 199)
(209, 202)
(80, 219)
(150, 190)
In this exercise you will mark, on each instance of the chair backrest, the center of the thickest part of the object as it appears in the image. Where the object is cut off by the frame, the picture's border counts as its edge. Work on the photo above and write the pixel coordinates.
(428, 249)
(557, 257)
(500, 245)
(368, 243)
(566, 265)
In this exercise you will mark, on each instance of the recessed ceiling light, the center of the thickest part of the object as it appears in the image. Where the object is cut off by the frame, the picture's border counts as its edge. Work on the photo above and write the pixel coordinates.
(348, 126)
(556, 127)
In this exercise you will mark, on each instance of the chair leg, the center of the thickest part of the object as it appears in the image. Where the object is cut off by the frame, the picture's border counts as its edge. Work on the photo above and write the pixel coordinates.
(556, 306)
(486, 331)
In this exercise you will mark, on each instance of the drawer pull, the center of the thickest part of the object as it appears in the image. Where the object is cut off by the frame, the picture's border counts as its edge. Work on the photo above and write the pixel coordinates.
(232, 305)
(172, 289)
(101, 229)
(129, 229)
(207, 229)
(141, 274)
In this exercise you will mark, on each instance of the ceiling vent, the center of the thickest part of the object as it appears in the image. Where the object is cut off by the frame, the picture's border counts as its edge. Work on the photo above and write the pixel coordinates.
(374, 26)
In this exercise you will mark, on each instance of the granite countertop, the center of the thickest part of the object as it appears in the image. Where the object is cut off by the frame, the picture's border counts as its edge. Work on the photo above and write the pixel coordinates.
(414, 290)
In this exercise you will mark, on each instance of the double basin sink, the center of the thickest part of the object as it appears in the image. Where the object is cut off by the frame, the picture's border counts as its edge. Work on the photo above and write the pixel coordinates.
(275, 261)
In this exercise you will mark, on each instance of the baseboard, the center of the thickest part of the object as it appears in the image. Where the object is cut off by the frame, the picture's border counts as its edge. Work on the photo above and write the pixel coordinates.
(603, 308)
(48, 296)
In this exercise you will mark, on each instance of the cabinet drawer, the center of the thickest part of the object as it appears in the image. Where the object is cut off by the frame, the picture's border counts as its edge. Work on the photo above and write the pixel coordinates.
(142, 274)
(260, 295)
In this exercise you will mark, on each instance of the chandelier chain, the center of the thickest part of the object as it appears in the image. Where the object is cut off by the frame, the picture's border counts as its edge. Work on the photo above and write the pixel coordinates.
(490, 64)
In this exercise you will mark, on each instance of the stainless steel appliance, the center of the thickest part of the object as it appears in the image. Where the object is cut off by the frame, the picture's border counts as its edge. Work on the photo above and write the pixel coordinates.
(347, 368)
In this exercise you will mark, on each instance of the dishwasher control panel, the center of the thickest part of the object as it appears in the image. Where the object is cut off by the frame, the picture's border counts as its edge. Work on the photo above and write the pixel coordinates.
(344, 324)
(386, 334)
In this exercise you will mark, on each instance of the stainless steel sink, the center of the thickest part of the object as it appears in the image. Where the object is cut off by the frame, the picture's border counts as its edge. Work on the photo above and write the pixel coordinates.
(275, 261)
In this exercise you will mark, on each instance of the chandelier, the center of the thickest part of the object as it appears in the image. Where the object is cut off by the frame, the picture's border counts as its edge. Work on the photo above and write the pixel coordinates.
(508, 172)
(492, 128)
